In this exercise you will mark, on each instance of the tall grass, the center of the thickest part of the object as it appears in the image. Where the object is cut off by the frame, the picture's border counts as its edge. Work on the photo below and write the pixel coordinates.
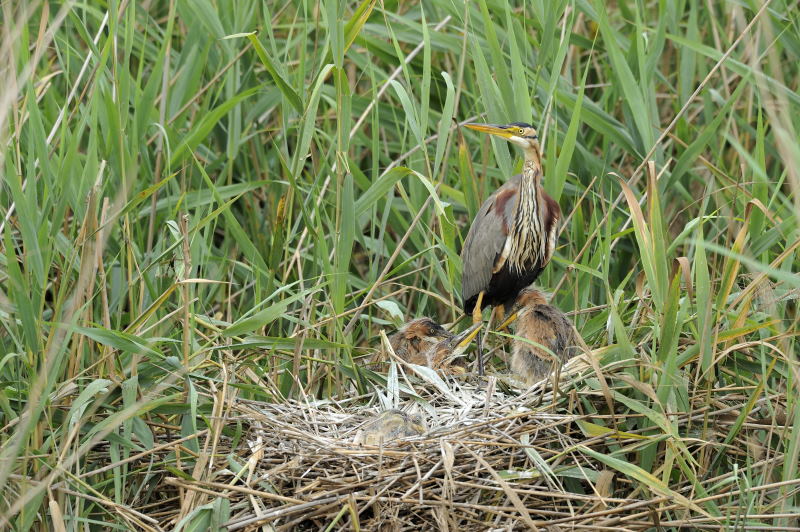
(202, 197)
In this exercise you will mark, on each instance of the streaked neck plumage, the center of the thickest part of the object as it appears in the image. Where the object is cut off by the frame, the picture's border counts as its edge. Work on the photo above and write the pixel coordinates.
(529, 246)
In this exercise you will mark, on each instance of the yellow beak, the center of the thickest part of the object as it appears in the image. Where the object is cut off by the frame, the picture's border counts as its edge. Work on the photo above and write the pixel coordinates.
(500, 131)
(463, 339)
(509, 320)
(458, 344)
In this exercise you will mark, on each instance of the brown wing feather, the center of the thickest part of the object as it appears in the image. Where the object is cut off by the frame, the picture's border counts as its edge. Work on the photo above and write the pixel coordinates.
(486, 240)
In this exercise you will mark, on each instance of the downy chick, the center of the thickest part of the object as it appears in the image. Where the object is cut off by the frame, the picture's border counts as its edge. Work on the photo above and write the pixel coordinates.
(546, 326)
(426, 343)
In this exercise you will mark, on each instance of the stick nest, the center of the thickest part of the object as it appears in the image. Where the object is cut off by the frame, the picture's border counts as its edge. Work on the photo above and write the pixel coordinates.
(493, 455)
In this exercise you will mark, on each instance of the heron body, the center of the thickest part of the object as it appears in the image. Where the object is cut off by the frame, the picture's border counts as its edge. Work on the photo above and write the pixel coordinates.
(390, 425)
(426, 343)
(545, 337)
(513, 235)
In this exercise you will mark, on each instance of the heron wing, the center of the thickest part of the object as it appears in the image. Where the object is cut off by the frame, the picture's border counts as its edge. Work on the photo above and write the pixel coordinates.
(486, 239)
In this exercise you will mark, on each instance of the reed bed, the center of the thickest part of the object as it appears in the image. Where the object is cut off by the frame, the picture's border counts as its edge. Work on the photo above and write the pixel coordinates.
(212, 212)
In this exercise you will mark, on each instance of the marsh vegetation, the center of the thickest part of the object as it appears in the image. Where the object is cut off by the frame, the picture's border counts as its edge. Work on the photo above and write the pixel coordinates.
(212, 202)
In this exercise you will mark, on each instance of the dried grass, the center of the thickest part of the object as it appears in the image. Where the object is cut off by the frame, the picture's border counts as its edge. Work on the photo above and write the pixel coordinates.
(491, 460)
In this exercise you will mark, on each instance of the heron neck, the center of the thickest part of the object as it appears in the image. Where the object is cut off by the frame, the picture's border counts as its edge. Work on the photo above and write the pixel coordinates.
(531, 177)
(526, 245)
(531, 170)
(528, 209)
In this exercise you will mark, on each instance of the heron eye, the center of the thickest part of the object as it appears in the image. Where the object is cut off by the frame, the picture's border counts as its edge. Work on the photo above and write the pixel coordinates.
(521, 131)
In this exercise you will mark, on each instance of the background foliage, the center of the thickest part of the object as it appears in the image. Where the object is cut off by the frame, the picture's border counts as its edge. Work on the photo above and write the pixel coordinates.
(219, 193)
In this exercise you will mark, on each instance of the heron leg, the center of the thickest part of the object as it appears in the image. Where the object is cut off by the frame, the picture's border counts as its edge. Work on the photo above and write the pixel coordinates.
(477, 317)
(477, 311)
(499, 315)
(480, 353)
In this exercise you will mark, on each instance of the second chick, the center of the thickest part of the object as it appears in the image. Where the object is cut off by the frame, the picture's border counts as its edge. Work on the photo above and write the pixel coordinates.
(545, 325)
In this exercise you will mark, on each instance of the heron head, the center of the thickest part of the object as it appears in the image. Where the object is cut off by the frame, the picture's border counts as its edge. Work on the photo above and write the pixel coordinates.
(426, 328)
(529, 298)
(518, 133)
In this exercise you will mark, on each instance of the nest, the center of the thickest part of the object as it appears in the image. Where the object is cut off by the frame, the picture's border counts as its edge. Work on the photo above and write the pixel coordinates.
(457, 474)
(492, 457)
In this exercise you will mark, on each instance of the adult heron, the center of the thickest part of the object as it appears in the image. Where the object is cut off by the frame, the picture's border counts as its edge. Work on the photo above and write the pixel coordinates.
(513, 236)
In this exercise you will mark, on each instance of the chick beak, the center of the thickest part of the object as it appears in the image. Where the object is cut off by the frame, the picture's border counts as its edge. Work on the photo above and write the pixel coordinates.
(459, 343)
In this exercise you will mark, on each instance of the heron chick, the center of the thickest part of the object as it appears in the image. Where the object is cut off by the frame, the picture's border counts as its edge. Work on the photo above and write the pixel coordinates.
(390, 425)
(426, 343)
(546, 338)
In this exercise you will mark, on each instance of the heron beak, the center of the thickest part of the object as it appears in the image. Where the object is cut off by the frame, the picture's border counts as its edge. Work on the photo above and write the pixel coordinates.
(461, 341)
(500, 131)
(509, 320)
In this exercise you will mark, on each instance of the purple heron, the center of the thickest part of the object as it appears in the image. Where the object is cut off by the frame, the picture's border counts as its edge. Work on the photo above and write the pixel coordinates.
(513, 235)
